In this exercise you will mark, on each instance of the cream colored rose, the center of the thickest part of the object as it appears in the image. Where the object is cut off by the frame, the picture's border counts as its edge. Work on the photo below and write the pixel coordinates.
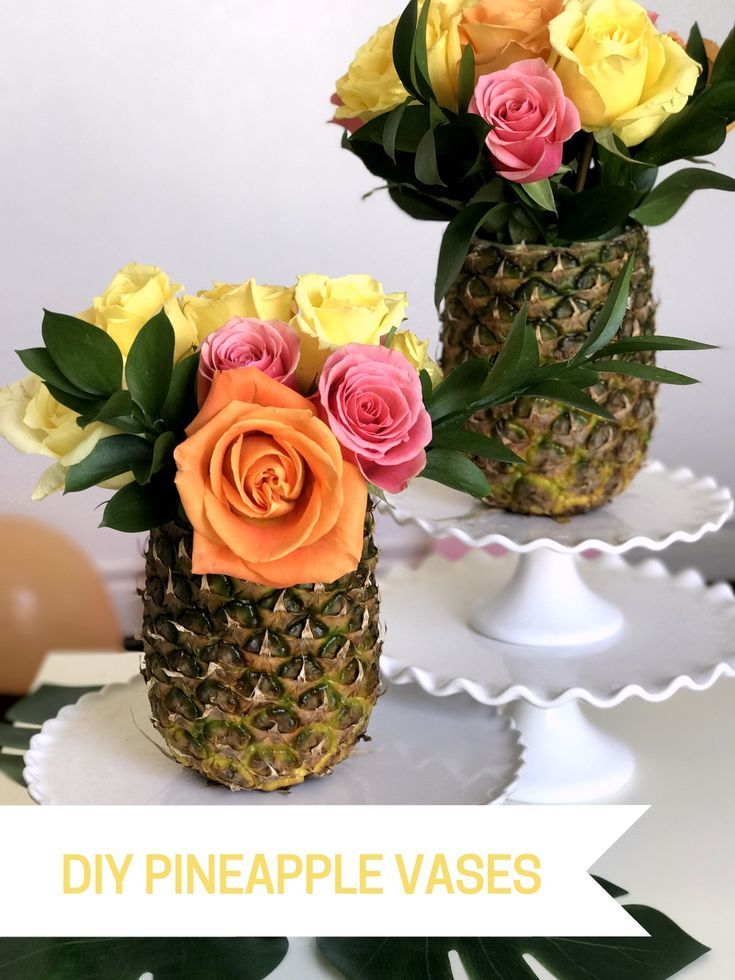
(213, 308)
(135, 295)
(417, 352)
(618, 70)
(334, 312)
(34, 422)
(502, 32)
(371, 85)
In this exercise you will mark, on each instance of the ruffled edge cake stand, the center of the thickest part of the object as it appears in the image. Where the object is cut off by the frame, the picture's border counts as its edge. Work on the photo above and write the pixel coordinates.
(547, 627)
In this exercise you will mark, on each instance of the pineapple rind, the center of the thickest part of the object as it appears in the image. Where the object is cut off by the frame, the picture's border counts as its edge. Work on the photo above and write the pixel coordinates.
(255, 687)
(574, 462)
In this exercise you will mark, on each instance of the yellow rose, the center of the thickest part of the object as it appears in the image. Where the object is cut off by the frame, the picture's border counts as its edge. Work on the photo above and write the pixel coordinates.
(135, 295)
(34, 422)
(334, 312)
(371, 85)
(212, 308)
(502, 32)
(618, 70)
(417, 352)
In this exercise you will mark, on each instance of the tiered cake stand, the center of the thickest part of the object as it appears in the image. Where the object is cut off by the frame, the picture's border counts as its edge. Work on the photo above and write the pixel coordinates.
(543, 629)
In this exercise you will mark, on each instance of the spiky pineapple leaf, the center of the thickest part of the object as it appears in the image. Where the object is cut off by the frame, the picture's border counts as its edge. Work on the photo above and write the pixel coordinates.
(649, 342)
(570, 395)
(475, 444)
(84, 354)
(649, 372)
(128, 959)
(452, 468)
(659, 956)
(610, 318)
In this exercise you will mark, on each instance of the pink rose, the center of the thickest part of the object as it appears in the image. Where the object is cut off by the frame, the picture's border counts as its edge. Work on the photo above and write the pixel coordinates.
(269, 345)
(371, 397)
(531, 119)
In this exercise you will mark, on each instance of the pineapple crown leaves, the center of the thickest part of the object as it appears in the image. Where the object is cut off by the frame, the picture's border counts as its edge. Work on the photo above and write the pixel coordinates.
(517, 371)
(148, 398)
(436, 167)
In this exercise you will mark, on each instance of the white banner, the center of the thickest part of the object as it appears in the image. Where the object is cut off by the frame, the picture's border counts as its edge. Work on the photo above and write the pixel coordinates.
(310, 871)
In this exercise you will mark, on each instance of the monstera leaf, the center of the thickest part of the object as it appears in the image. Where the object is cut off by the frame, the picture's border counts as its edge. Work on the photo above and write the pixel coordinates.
(667, 951)
(129, 959)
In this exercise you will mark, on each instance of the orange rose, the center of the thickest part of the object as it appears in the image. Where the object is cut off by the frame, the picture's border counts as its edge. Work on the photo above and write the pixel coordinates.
(263, 482)
(502, 32)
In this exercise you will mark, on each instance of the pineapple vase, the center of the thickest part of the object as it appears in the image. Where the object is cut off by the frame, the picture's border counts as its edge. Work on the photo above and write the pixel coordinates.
(574, 462)
(255, 687)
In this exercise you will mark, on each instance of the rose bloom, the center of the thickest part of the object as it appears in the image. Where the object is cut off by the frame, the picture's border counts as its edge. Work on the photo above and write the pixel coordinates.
(335, 312)
(531, 119)
(502, 32)
(416, 351)
(372, 400)
(135, 295)
(618, 70)
(32, 421)
(269, 345)
(212, 308)
(371, 85)
(265, 486)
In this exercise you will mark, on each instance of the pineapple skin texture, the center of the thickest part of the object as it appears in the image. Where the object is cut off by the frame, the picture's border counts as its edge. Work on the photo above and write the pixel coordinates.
(574, 462)
(254, 687)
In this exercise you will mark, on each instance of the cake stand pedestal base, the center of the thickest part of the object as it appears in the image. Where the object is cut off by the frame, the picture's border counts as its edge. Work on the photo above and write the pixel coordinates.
(568, 759)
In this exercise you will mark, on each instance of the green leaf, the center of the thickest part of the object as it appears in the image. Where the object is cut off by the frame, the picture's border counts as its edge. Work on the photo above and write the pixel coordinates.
(162, 452)
(697, 51)
(128, 959)
(420, 56)
(111, 457)
(84, 354)
(517, 361)
(45, 703)
(390, 131)
(180, 406)
(665, 200)
(455, 392)
(659, 956)
(724, 68)
(427, 386)
(610, 318)
(456, 245)
(649, 372)
(118, 411)
(403, 45)
(13, 737)
(596, 212)
(539, 193)
(150, 364)
(453, 469)
(475, 444)
(632, 345)
(39, 362)
(136, 508)
(568, 394)
(467, 70)
(426, 165)
(84, 406)
(12, 767)
(614, 145)
(423, 206)
(698, 130)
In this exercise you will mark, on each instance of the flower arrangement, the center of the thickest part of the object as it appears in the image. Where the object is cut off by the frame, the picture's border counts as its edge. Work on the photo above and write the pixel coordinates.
(536, 121)
(263, 416)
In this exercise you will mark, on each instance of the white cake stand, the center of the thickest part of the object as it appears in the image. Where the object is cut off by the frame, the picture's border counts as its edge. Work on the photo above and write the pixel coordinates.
(545, 629)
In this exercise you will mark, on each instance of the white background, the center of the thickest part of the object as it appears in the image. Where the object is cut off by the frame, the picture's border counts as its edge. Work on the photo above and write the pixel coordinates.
(193, 135)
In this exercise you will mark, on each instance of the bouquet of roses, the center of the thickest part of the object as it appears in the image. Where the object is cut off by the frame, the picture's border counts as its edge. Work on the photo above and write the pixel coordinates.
(530, 121)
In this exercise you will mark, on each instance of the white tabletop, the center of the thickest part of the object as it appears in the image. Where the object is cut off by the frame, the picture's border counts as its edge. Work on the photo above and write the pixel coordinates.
(680, 858)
